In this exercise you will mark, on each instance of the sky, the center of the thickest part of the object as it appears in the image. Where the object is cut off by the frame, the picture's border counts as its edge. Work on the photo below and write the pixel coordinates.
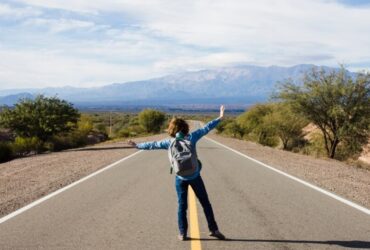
(86, 43)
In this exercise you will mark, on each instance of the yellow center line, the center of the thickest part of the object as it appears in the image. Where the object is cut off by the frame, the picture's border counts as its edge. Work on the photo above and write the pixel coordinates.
(194, 225)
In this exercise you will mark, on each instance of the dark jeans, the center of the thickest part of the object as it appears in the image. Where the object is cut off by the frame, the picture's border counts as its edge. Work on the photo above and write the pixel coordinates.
(201, 193)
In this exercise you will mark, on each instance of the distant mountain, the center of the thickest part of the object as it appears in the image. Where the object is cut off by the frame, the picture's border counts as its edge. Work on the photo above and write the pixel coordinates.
(233, 85)
(9, 100)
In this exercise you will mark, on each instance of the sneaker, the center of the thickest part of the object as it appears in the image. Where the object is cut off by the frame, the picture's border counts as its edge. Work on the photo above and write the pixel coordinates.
(217, 234)
(182, 237)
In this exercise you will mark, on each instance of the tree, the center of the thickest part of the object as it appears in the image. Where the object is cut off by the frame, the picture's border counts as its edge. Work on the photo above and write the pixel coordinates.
(334, 101)
(42, 117)
(256, 126)
(151, 120)
(286, 125)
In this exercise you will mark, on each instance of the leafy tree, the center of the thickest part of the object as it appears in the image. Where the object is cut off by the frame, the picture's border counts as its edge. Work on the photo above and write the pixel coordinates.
(42, 117)
(256, 126)
(151, 120)
(334, 101)
(286, 125)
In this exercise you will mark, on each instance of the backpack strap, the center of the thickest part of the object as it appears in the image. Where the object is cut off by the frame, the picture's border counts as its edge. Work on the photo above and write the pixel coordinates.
(169, 154)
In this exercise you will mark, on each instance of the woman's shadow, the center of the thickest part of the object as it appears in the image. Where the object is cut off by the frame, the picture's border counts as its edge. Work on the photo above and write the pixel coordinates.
(342, 243)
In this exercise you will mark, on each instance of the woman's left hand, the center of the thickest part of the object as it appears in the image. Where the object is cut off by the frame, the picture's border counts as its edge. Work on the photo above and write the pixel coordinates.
(132, 143)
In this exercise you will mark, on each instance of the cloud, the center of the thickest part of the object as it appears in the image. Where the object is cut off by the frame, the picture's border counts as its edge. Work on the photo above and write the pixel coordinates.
(9, 12)
(143, 39)
(59, 25)
(25, 69)
(201, 62)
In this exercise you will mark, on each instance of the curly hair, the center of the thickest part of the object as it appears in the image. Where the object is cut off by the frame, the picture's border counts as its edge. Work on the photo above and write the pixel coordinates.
(178, 125)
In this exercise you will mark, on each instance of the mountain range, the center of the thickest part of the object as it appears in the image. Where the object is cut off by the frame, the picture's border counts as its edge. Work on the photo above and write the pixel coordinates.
(240, 85)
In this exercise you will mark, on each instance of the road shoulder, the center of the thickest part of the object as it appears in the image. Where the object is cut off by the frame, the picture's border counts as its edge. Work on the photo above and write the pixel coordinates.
(27, 179)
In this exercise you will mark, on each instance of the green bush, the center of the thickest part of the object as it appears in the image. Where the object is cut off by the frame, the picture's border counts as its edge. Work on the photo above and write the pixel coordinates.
(286, 125)
(124, 132)
(151, 120)
(59, 142)
(85, 124)
(137, 130)
(101, 127)
(233, 128)
(5, 152)
(255, 125)
(134, 121)
(268, 140)
(66, 141)
(222, 125)
(26, 145)
(315, 146)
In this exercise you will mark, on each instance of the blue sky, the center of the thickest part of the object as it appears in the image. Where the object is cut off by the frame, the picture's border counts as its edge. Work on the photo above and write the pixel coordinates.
(355, 2)
(93, 43)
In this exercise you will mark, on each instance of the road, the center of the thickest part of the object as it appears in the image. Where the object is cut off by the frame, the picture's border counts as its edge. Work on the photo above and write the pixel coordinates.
(133, 205)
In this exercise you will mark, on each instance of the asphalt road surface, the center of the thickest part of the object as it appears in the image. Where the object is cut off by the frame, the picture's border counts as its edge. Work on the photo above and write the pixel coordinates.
(133, 205)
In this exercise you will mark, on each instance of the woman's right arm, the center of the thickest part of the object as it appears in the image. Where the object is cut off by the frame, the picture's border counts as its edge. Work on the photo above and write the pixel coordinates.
(199, 133)
(164, 144)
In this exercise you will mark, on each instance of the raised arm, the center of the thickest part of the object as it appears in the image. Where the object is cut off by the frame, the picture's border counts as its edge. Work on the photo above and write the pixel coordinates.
(199, 133)
(164, 144)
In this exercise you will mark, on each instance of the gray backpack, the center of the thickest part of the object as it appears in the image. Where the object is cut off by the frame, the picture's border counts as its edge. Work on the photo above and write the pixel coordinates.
(183, 158)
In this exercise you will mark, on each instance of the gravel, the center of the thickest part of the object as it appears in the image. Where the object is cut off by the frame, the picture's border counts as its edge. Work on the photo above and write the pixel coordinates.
(27, 179)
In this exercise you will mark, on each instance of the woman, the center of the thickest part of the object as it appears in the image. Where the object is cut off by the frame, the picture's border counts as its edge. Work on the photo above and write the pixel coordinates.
(179, 128)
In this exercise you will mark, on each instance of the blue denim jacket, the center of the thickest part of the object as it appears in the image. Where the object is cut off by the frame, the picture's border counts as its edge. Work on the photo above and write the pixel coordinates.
(193, 137)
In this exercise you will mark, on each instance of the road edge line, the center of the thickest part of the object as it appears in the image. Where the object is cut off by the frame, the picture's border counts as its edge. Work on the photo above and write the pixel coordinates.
(334, 196)
(58, 191)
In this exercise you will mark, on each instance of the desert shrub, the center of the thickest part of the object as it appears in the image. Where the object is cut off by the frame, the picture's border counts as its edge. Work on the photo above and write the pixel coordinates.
(85, 124)
(26, 145)
(221, 126)
(60, 142)
(166, 122)
(256, 126)
(70, 140)
(124, 132)
(101, 127)
(151, 120)
(252, 120)
(5, 152)
(134, 121)
(234, 129)
(136, 130)
(315, 145)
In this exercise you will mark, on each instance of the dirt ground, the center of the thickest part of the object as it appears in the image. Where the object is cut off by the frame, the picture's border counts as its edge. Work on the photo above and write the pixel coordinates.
(27, 179)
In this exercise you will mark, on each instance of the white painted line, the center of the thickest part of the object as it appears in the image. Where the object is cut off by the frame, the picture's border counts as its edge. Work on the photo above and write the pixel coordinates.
(349, 203)
(35, 203)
